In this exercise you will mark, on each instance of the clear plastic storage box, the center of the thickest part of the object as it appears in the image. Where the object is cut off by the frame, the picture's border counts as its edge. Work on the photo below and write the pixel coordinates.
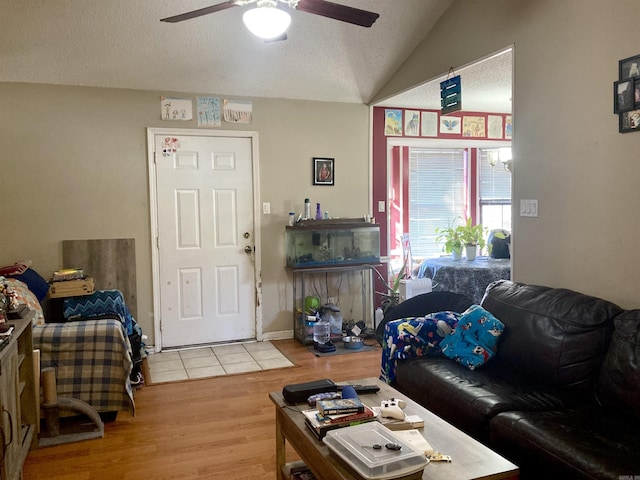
(355, 446)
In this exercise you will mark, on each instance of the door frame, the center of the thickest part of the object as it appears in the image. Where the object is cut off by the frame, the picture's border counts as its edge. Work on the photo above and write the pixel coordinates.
(153, 205)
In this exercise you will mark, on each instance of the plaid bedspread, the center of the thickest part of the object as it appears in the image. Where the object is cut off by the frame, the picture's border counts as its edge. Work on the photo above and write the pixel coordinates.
(92, 359)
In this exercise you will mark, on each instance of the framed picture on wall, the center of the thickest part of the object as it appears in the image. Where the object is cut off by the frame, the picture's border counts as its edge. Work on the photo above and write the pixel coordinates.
(623, 95)
(630, 121)
(629, 68)
(636, 92)
(324, 171)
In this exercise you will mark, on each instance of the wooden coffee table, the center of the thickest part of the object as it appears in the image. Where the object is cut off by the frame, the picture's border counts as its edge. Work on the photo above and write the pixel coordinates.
(471, 459)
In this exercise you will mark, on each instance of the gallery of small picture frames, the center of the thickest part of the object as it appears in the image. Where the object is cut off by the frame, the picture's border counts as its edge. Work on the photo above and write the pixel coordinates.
(626, 95)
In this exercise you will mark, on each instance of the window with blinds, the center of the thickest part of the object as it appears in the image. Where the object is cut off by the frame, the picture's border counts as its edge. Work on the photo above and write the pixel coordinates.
(494, 193)
(437, 196)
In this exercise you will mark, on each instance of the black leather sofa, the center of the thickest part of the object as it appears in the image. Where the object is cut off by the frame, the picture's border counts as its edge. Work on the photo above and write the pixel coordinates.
(562, 394)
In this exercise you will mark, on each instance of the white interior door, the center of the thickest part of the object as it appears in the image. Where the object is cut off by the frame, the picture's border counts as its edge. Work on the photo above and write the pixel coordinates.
(205, 222)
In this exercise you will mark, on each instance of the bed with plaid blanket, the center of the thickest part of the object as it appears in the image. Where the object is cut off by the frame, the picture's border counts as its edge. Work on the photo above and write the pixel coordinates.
(92, 360)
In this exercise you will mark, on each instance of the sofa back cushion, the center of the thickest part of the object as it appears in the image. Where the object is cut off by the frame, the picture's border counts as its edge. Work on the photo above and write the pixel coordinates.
(618, 384)
(555, 335)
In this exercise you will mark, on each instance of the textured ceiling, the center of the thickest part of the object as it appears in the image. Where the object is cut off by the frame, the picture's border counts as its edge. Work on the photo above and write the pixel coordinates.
(486, 87)
(123, 44)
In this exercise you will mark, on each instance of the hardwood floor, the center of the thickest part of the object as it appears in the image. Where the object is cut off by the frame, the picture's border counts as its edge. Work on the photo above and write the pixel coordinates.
(221, 427)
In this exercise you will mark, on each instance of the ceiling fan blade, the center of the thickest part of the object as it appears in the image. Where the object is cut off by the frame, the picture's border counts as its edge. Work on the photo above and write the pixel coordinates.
(200, 12)
(343, 13)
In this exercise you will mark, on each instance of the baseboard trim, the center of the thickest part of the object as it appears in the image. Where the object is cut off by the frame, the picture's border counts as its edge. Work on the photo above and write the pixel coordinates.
(280, 335)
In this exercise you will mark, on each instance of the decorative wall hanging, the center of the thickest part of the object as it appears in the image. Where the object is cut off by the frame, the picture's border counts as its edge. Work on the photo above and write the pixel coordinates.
(236, 111)
(450, 125)
(411, 123)
(208, 111)
(393, 122)
(451, 93)
(429, 124)
(473, 126)
(629, 68)
(623, 95)
(626, 95)
(630, 121)
(324, 171)
(176, 108)
(170, 145)
(508, 127)
(494, 126)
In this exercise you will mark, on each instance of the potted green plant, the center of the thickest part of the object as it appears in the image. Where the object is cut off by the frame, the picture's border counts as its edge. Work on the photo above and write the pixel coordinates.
(451, 237)
(472, 236)
(391, 297)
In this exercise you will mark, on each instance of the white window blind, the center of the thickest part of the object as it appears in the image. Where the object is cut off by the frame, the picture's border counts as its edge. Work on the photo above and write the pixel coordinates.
(495, 182)
(495, 191)
(436, 196)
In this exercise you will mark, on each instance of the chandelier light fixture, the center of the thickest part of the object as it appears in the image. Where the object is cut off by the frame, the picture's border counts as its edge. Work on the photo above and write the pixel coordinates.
(266, 20)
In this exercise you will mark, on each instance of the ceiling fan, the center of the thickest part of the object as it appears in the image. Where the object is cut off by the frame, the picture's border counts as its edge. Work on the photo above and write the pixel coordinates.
(270, 22)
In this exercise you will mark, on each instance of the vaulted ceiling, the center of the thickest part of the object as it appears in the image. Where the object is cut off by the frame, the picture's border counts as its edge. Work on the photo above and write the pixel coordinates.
(123, 44)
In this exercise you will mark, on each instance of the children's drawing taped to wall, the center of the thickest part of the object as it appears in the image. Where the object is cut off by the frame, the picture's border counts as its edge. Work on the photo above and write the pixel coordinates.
(236, 111)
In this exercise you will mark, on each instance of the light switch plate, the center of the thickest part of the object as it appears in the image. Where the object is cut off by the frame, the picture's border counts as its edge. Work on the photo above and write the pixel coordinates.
(528, 208)
(266, 208)
(381, 206)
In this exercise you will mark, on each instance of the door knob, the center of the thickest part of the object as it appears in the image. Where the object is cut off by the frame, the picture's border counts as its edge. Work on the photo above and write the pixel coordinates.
(248, 249)
(246, 235)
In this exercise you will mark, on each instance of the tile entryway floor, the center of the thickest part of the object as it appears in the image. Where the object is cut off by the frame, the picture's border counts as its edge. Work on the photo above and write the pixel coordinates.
(189, 364)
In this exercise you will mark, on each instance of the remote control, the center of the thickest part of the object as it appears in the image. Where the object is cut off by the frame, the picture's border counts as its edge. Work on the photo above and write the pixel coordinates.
(364, 389)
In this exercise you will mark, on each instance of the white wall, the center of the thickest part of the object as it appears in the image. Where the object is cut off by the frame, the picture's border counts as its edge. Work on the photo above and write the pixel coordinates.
(568, 153)
(74, 166)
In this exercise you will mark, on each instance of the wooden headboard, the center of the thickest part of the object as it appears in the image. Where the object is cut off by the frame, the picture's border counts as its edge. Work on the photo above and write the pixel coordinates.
(111, 263)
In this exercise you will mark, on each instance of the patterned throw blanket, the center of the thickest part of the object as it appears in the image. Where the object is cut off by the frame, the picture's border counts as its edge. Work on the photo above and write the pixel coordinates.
(469, 338)
(99, 303)
(414, 337)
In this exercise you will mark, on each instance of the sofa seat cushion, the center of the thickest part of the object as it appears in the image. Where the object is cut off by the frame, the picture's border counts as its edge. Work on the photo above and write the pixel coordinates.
(469, 399)
(585, 442)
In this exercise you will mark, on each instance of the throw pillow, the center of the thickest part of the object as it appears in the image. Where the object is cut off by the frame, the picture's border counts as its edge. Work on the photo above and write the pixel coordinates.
(474, 340)
(17, 268)
(22, 295)
(38, 285)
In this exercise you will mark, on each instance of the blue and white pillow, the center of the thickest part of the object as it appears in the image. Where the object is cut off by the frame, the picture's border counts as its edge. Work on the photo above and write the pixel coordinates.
(474, 340)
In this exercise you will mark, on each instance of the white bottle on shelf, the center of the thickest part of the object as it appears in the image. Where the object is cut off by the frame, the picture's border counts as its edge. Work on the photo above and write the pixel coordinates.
(307, 209)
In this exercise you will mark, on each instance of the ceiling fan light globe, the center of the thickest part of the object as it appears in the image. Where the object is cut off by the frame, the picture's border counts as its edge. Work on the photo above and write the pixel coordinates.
(266, 22)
